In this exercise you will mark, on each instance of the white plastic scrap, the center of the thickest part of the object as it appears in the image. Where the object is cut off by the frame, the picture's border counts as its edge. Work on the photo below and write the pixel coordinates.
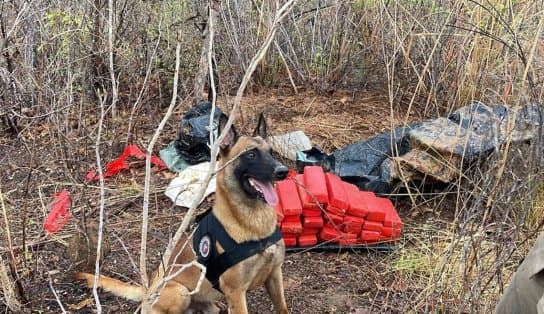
(183, 188)
(289, 144)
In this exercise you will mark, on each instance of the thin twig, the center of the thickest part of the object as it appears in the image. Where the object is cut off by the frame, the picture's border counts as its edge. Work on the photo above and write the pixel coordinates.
(126, 251)
(101, 210)
(144, 84)
(211, 32)
(286, 66)
(37, 242)
(10, 296)
(114, 92)
(214, 151)
(7, 228)
(56, 295)
(145, 207)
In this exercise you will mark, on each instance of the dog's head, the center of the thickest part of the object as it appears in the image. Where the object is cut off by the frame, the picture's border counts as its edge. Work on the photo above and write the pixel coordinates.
(248, 163)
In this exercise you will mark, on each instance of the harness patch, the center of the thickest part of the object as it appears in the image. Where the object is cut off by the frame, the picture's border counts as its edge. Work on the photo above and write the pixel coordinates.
(204, 246)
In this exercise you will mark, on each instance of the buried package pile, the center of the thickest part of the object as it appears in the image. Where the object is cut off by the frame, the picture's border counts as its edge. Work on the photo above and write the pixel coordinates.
(318, 207)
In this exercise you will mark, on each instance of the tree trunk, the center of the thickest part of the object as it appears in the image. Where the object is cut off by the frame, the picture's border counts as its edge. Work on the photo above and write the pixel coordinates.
(202, 73)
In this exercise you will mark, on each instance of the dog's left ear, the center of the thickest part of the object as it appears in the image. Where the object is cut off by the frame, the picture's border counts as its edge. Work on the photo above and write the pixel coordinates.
(231, 137)
(262, 128)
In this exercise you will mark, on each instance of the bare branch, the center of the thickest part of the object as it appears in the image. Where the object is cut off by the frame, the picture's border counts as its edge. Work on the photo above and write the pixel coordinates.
(214, 151)
(145, 209)
(144, 84)
(110, 50)
(102, 204)
(10, 294)
(278, 49)
(56, 295)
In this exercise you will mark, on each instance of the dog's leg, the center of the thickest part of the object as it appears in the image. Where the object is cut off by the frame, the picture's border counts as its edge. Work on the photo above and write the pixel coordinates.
(237, 301)
(274, 287)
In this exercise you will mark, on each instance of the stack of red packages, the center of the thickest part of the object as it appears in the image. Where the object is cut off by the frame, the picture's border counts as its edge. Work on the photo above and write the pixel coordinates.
(317, 206)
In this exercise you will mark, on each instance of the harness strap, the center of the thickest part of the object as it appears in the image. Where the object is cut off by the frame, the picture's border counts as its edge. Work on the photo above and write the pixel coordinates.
(216, 264)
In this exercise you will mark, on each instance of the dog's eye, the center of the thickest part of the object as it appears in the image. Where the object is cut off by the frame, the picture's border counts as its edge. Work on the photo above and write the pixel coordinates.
(251, 155)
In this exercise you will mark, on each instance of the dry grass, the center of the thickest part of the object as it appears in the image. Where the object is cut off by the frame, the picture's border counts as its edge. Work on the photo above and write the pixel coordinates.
(535, 217)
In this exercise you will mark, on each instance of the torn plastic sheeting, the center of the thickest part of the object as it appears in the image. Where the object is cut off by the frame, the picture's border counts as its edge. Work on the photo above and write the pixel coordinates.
(172, 159)
(121, 163)
(310, 157)
(59, 212)
(183, 188)
(192, 142)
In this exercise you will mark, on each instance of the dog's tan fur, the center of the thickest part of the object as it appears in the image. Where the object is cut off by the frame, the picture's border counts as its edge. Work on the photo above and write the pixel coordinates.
(244, 219)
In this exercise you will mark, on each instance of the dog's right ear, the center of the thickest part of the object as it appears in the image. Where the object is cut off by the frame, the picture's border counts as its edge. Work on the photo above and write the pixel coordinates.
(262, 128)
(231, 137)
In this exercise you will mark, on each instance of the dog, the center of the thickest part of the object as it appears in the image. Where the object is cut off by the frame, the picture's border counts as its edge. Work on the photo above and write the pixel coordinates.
(238, 238)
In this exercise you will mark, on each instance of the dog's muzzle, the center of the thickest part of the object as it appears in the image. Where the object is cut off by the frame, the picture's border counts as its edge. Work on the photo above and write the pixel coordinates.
(280, 172)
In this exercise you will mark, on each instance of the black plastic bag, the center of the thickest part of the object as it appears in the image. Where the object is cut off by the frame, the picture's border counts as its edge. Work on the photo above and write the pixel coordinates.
(361, 163)
(192, 143)
(311, 157)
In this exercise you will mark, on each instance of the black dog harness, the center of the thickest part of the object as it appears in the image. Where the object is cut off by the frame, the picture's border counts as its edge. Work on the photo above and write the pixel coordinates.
(209, 232)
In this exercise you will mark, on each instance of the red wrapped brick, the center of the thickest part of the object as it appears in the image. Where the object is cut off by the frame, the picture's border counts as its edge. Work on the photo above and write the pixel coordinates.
(335, 210)
(306, 231)
(291, 218)
(307, 240)
(289, 235)
(329, 233)
(312, 222)
(375, 209)
(392, 218)
(352, 229)
(305, 199)
(290, 241)
(348, 242)
(311, 212)
(335, 189)
(289, 199)
(344, 235)
(355, 221)
(334, 219)
(373, 226)
(291, 227)
(353, 224)
(369, 236)
(393, 233)
(316, 185)
(357, 203)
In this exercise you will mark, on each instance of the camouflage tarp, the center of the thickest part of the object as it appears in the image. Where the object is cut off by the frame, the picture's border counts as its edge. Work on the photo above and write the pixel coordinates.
(441, 146)
(437, 148)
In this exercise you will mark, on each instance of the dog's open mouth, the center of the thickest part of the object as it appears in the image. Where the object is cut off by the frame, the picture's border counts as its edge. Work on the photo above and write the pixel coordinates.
(264, 191)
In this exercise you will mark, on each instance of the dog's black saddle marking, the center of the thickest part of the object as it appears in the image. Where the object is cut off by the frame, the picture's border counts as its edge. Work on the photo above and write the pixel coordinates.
(209, 232)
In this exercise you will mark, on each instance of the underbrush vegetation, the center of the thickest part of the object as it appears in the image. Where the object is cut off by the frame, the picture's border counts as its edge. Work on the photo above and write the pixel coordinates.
(418, 60)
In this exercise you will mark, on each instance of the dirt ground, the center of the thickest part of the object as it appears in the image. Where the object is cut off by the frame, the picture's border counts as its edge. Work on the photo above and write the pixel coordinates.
(55, 154)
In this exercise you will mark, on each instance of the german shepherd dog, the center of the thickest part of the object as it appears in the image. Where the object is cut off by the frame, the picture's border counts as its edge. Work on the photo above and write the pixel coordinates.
(243, 206)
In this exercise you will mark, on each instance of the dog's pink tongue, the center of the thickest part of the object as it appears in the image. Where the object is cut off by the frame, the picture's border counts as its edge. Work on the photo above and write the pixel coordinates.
(268, 191)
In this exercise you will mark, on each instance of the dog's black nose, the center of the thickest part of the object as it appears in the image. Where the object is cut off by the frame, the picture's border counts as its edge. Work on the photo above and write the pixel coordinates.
(281, 172)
